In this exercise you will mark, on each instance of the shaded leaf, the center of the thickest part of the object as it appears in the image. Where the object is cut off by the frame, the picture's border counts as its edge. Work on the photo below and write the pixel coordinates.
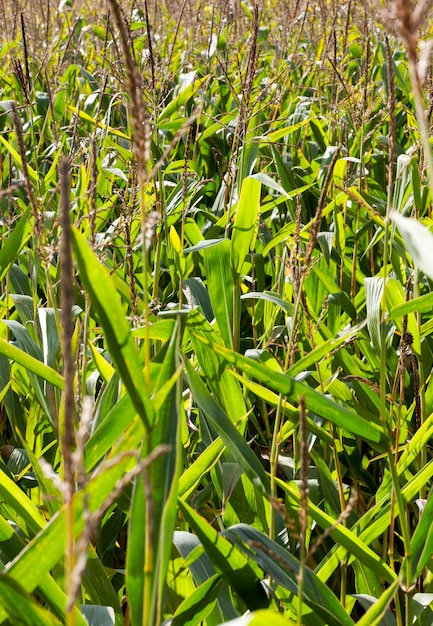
(280, 565)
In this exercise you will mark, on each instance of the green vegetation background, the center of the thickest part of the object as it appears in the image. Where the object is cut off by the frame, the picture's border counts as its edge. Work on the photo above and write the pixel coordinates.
(219, 409)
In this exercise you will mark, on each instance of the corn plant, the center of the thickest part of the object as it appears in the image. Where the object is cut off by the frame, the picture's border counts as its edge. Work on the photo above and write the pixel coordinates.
(215, 335)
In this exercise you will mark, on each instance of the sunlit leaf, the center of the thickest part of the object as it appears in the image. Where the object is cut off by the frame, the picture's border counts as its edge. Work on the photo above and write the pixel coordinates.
(116, 328)
(418, 241)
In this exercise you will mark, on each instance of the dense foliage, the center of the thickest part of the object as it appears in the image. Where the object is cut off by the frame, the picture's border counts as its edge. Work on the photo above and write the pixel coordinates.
(223, 402)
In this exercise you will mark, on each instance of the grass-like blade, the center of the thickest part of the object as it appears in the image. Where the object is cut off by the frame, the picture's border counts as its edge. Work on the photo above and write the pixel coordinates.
(193, 610)
(31, 363)
(378, 609)
(48, 589)
(224, 388)
(13, 244)
(154, 504)
(246, 222)
(106, 303)
(282, 567)
(15, 155)
(116, 423)
(184, 96)
(15, 504)
(193, 475)
(422, 540)
(47, 548)
(227, 431)
(229, 560)
(202, 569)
(293, 389)
(344, 537)
(20, 607)
(221, 286)
(421, 303)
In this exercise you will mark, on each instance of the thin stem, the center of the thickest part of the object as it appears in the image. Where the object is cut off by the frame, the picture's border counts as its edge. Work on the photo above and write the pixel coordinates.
(303, 508)
(421, 120)
(273, 460)
(142, 184)
(68, 434)
(236, 313)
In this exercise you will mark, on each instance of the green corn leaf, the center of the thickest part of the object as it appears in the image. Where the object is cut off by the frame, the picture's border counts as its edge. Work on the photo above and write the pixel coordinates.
(15, 155)
(276, 135)
(269, 297)
(396, 297)
(345, 538)
(48, 589)
(220, 286)
(373, 523)
(31, 363)
(47, 548)
(374, 615)
(201, 568)
(422, 541)
(161, 330)
(104, 367)
(315, 401)
(122, 420)
(422, 303)
(323, 350)
(227, 431)
(100, 590)
(193, 475)
(366, 580)
(246, 222)
(193, 610)
(185, 95)
(16, 505)
(367, 601)
(22, 608)
(106, 302)
(96, 123)
(153, 508)
(225, 389)
(282, 566)
(232, 564)
(13, 244)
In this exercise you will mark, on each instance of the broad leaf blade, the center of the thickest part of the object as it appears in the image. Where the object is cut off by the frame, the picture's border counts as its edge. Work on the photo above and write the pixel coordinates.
(293, 389)
(21, 607)
(154, 504)
(246, 222)
(106, 302)
(193, 610)
(379, 608)
(227, 559)
(422, 541)
(221, 287)
(418, 241)
(280, 565)
(227, 431)
(13, 244)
